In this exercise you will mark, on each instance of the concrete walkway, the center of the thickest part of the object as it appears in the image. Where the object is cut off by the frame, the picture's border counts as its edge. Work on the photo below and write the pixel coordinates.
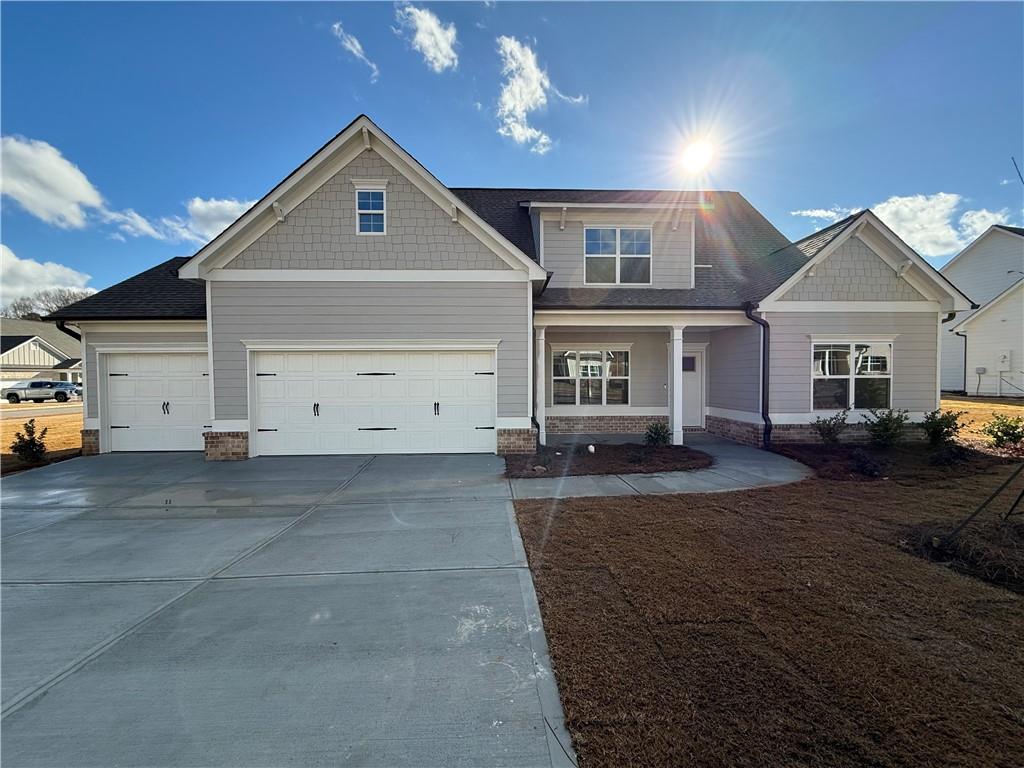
(737, 468)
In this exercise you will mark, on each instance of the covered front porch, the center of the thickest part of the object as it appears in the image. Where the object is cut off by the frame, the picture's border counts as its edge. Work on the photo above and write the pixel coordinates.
(607, 373)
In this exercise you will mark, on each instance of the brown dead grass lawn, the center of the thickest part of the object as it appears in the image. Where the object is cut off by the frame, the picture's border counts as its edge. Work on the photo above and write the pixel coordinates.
(980, 410)
(777, 627)
(63, 440)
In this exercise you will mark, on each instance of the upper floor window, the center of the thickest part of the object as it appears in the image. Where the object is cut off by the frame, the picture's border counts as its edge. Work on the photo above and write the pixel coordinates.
(617, 255)
(852, 375)
(370, 211)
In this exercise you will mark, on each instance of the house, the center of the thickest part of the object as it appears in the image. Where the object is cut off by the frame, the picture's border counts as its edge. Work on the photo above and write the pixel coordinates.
(362, 306)
(983, 351)
(34, 350)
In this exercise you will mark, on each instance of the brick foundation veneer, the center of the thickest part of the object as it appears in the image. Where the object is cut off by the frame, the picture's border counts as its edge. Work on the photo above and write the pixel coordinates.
(517, 441)
(226, 446)
(570, 425)
(751, 434)
(90, 442)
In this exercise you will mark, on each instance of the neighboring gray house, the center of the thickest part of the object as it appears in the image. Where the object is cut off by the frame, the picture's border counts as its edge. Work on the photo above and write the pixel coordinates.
(362, 307)
(983, 351)
(30, 349)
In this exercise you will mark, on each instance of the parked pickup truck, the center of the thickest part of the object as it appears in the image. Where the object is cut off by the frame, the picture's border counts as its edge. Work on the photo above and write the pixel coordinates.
(38, 390)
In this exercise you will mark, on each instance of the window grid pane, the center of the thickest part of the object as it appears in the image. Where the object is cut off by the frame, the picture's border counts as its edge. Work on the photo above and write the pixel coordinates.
(871, 392)
(371, 222)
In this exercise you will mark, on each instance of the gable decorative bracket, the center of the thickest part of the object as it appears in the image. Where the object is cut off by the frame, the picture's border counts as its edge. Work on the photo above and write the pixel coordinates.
(675, 220)
(366, 138)
(278, 211)
(901, 270)
(561, 220)
(455, 213)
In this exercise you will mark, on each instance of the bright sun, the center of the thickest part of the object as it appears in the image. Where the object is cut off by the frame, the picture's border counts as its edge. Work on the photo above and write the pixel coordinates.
(697, 156)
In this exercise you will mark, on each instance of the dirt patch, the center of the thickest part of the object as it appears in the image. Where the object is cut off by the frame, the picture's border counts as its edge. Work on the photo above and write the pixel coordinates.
(629, 458)
(63, 440)
(914, 463)
(780, 626)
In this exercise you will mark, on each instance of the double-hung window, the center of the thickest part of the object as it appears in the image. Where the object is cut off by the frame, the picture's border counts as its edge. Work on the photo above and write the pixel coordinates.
(370, 211)
(590, 377)
(852, 375)
(617, 255)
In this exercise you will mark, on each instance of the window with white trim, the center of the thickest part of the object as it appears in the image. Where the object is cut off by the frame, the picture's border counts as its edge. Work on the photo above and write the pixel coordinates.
(852, 375)
(590, 377)
(617, 255)
(370, 211)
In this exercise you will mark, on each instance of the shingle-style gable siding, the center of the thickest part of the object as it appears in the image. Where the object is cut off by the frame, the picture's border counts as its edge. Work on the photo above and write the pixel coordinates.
(670, 248)
(853, 273)
(320, 233)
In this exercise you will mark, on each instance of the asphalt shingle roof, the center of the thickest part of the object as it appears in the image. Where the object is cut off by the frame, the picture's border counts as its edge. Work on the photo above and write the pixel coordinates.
(7, 343)
(746, 258)
(156, 294)
(1015, 230)
(48, 332)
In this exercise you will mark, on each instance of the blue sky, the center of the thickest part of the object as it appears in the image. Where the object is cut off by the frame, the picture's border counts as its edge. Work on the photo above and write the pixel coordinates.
(133, 131)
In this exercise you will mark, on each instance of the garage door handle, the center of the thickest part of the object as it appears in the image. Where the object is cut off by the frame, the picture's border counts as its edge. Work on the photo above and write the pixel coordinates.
(316, 409)
(117, 374)
(437, 409)
(378, 429)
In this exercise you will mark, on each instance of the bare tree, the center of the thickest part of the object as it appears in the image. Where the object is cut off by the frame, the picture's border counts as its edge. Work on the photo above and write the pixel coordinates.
(43, 303)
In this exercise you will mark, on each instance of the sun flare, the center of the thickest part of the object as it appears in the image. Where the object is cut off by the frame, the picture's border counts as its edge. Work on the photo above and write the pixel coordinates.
(697, 156)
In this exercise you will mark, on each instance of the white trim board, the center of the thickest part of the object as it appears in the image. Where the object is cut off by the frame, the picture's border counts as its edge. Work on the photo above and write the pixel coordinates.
(341, 345)
(163, 348)
(359, 136)
(625, 318)
(369, 275)
(143, 326)
(789, 305)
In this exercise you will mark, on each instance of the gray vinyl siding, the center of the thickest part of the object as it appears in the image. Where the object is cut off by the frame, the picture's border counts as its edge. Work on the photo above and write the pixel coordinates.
(94, 338)
(320, 233)
(853, 273)
(349, 311)
(915, 354)
(734, 369)
(670, 251)
(648, 374)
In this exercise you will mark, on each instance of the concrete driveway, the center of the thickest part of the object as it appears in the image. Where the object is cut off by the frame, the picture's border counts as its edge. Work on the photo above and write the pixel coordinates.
(374, 611)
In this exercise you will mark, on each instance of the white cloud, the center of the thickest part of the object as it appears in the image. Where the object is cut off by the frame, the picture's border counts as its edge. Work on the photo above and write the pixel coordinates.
(933, 225)
(23, 277)
(47, 185)
(1005, 182)
(430, 37)
(208, 218)
(525, 90)
(351, 44)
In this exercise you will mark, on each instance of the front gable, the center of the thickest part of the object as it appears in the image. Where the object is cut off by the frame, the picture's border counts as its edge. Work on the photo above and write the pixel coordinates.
(853, 272)
(320, 233)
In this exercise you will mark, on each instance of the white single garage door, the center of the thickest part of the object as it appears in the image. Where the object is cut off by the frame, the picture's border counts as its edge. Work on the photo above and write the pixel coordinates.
(375, 402)
(157, 401)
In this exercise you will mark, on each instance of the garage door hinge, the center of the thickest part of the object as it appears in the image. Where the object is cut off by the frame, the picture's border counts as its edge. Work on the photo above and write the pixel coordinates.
(266, 430)
(266, 374)
(378, 429)
(114, 426)
(484, 427)
(117, 374)
(484, 373)
(375, 374)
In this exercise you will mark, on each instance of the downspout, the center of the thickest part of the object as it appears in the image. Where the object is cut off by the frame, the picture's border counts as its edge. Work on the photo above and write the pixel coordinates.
(61, 325)
(748, 310)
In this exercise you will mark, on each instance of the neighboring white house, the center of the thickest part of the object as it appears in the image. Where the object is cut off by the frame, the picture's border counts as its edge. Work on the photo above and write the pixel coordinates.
(30, 349)
(983, 349)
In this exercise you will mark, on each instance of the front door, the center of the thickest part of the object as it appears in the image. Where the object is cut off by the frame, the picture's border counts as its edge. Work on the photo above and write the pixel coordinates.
(693, 389)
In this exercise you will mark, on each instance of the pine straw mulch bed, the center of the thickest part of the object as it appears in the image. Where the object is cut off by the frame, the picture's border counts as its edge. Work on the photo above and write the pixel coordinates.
(781, 626)
(913, 462)
(629, 458)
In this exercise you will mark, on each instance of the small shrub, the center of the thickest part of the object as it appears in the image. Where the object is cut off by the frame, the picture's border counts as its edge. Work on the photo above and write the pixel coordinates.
(657, 434)
(30, 447)
(866, 464)
(885, 427)
(942, 427)
(1004, 430)
(829, 429)
(949, 455)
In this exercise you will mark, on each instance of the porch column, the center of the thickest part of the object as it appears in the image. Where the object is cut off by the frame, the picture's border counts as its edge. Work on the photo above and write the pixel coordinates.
(676, 383)
(540, 374)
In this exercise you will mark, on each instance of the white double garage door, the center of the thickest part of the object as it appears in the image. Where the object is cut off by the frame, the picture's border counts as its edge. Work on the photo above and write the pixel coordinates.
(417, 401)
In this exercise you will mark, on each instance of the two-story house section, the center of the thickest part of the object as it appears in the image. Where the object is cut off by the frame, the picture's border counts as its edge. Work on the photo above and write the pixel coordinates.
(361, 306)
(983, 350)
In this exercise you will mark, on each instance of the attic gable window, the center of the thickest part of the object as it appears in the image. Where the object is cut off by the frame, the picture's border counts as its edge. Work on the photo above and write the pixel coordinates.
(613, 255)
(371, 212)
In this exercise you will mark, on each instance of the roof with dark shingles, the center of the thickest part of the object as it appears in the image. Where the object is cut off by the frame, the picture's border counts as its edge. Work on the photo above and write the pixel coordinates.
(7, 343)
(1015, 230)
(156, 294)
(747, 258)
(71, 362)
(48, 332)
